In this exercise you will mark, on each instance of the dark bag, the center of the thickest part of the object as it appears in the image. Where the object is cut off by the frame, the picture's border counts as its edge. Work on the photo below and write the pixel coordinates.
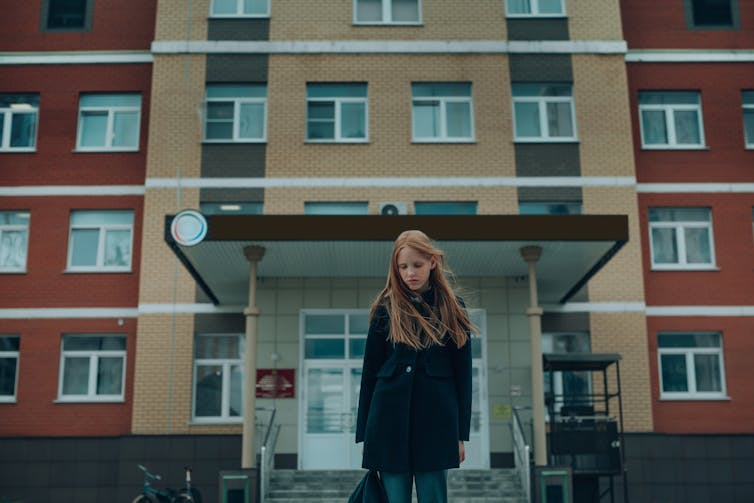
(369, 490)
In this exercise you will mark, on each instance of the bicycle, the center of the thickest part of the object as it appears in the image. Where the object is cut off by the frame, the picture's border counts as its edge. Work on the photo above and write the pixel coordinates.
(150, 494)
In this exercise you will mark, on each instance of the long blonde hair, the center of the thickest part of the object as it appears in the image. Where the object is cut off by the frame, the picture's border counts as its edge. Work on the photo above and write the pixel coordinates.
(448, 316)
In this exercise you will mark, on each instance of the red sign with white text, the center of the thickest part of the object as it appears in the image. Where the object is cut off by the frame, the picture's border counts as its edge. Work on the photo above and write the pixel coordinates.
(276, 383)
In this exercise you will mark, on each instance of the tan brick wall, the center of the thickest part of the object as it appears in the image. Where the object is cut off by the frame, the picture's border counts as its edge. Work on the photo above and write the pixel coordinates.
(175, 121)
(181, 19)
(333, 20)
(626, 334)
(603, 116)
(594, 20)
(500, 200)
(389, 152)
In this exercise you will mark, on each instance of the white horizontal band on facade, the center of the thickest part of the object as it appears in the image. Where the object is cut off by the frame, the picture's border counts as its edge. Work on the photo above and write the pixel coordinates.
(391, 47)
(364, 182)
(700, 311)
(67, 312)
(670, 188)
(187, 309)
(595, 307)
(74, 58)
(690, 56)
(73, 190)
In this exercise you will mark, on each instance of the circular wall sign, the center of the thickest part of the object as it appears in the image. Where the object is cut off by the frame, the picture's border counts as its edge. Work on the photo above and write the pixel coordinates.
(189, 228)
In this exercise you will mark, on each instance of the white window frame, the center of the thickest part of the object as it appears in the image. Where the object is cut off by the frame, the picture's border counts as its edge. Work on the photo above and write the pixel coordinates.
(387, 15)
(109, 134)
(679, 226)
(747, 107)
(444, 101)
(237, 103)
(16, 228)
(534, 5)
(239, 12)
(690, 352)
(226, 363)
(103, 229)
(669, 112)
(6, 117)
(542, 102)
(94, 356)
(15, 355)
(339, 102)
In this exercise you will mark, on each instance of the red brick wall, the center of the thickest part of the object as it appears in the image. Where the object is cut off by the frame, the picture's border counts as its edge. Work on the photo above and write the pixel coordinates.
(116, 25)
(720, 86)
(733, 283)
(661, 24)
(46, 284)
(708, 416)
(35, 412)
(59, 88)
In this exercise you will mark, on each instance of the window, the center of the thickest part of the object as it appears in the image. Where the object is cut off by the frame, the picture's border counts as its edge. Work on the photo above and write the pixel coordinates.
(549, 208)
(543, 112)
(572, 389)
(8, 367)
(442, 112)
(748, 110)
(534, 8)
(387, 11)
(336, 112)
(236, 113)
(691, 365)
(67, 15)
(231, 208)
(18, 122)
(445, 208)
(100, 240)
(218, 377)
(14, 236)
(340, 208)
(92, 367)
(240, 8)
(681, 238)
(109, 122)
(711, 14)
(671, 119)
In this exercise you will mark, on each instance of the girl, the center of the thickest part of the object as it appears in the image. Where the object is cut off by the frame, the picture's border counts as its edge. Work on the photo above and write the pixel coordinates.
(415, 399)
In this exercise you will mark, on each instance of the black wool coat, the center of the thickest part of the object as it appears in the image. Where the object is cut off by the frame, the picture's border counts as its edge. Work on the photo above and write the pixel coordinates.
(414, 406)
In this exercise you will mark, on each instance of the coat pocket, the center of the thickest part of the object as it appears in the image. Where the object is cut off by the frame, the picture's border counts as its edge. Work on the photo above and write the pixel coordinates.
(439, 367)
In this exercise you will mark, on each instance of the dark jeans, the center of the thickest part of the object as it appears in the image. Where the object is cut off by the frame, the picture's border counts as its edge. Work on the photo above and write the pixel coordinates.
(431, 487)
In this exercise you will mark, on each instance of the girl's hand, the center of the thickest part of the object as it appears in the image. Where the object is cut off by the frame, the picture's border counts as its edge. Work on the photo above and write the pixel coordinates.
(461, 452)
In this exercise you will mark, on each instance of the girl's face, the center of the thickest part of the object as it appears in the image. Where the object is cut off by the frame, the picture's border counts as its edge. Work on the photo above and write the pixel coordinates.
(414, 269)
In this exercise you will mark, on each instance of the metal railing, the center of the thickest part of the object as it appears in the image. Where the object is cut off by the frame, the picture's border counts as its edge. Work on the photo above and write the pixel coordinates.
(267, 455)
(521, 454)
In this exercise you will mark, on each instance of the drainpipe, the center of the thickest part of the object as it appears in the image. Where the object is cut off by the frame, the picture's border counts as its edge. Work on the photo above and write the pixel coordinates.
(531, 255)
(253, 254)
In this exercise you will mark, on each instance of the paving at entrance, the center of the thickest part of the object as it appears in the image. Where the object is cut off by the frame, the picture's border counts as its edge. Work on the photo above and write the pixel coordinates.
(319, 486)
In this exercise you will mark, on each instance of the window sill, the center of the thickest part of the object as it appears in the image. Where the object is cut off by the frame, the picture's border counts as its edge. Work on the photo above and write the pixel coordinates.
(471, 141)
(336, 142)
(694, 398)
(104, 150)
(88, 400)
(545, 140)
(97, 271)
(13, 271)
(385, 24)
(18, 150)
(7, 401)
(672, 147)
(232, 142)
(216, 422)
(536, 16)
(241, 16)
(685, 268)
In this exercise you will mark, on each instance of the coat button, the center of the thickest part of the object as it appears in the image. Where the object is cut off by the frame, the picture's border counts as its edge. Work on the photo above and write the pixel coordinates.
(408, 369)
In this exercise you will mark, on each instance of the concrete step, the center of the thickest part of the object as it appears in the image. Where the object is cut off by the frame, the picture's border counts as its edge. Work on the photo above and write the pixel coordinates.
(332, 486)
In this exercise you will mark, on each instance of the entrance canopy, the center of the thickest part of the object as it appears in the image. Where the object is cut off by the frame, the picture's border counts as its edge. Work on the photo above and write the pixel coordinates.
(574, 248)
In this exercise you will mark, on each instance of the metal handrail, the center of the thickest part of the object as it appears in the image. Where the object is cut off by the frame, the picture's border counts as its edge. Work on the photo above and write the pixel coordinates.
(267, 456)
(521, 454)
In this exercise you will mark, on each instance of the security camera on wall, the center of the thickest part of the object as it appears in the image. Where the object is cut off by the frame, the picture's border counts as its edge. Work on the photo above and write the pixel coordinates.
(393, 208)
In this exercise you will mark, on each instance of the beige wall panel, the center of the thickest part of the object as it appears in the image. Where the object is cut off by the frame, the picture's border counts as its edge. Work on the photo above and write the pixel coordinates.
(181, 19)
(621, 279)
(162, 382)
(163, 277)
(594, 20)
(389, 152)
(333, 20)
(626, 334)
(175, 124)
(498, 200)
(603, 116)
